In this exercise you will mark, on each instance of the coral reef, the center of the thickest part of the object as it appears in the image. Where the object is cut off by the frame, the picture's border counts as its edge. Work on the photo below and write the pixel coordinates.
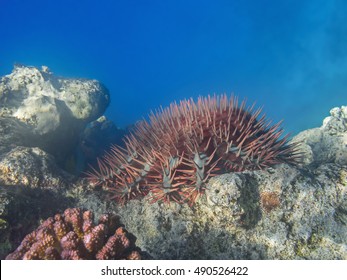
(172, 156)
(285, 211)
(73, 236)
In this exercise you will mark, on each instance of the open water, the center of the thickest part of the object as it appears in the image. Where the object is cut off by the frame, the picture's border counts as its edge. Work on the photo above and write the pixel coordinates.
(289, 56)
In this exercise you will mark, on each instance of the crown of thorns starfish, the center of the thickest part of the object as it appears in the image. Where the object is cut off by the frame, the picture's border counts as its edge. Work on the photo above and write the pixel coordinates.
(171, 156)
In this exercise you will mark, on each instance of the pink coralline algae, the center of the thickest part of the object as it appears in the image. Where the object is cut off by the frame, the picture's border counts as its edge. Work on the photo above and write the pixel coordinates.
(73, 236)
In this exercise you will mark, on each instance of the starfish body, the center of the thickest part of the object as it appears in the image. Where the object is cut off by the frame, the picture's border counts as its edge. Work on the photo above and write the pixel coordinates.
(172, 156)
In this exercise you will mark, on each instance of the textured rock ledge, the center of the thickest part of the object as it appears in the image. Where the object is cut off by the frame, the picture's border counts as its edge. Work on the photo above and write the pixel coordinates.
(33, 168)
(327, 143)
(283, 213)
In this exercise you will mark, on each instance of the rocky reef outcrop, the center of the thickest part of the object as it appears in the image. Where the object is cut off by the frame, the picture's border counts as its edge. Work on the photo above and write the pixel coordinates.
(42, 117)
(34, 168)
(39, 109)
(328, 143)
(283, 213)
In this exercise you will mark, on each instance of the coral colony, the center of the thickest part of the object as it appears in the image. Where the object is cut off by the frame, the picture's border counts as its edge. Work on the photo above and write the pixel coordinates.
(171, 157)
(73, 236)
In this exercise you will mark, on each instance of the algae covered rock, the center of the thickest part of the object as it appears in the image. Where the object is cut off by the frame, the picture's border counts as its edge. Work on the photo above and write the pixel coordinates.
(32, 167)
(286, 213)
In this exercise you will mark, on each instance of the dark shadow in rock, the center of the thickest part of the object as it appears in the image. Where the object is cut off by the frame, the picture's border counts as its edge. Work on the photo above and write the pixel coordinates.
(341, 212)
(22, 209)
(249, 201)
(13, 133)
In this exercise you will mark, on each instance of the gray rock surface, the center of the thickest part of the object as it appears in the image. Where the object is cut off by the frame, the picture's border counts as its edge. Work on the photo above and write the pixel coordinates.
(41, 110)
(327, 143)
(33, 168)
(306, 220)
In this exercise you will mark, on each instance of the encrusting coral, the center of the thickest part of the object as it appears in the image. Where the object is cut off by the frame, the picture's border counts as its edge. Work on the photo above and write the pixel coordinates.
(269, 201)
(73, 236)
(172, 156)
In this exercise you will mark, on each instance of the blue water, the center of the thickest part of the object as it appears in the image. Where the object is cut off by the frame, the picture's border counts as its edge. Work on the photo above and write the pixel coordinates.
(290, 56)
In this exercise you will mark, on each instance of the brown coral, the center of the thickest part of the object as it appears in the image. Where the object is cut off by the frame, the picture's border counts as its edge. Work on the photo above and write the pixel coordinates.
(172, 156)
(73, 236)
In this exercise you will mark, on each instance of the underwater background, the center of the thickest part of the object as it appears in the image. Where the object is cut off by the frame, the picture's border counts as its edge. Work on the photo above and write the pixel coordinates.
(288, 56)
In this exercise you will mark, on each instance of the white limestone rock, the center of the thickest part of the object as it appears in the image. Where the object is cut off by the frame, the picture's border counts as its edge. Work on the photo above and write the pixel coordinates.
(52, 110)
(327, 143)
